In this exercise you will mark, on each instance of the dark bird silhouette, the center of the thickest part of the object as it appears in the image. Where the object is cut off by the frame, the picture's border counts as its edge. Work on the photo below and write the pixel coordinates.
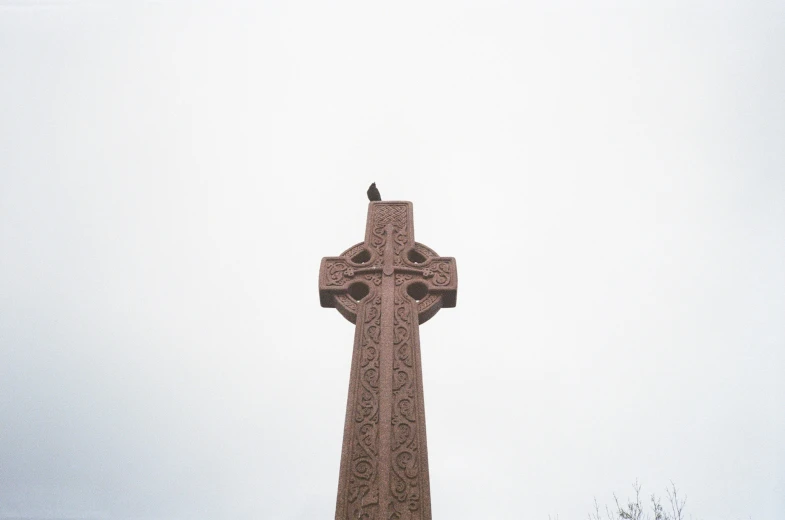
(373, 193)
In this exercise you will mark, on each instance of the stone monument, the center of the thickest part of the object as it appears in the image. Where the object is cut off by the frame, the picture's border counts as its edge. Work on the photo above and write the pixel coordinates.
(386, 285)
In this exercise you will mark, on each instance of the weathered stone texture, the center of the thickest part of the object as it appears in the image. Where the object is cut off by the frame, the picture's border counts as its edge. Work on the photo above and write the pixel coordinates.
(386, 285)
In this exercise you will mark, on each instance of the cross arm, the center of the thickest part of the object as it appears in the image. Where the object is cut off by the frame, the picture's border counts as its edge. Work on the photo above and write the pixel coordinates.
(440, 276)
(337, 274)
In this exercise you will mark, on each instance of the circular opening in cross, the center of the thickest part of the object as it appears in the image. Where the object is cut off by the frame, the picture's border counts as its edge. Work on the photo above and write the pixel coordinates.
(358, 291)
(417, 291)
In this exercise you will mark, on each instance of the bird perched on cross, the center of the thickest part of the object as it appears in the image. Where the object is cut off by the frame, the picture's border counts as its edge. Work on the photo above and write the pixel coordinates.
(373, 193)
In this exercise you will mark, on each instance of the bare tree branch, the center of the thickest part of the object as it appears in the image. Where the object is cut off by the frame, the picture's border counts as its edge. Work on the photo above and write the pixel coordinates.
(677, 505)
(633, 509)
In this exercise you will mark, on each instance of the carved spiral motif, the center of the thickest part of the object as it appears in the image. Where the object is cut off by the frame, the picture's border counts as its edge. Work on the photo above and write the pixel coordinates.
(404, 477)
(363, 492)
(336, 272)
(374, 278)
(440, 272)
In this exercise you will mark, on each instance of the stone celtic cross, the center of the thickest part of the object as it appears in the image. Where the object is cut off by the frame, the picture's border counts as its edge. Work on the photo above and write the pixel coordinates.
(386, 285)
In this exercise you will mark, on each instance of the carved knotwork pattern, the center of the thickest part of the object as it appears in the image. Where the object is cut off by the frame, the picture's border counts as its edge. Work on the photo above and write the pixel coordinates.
(363, 489)
(428, 301)
(390, 213)
(404, 453)
(424, 250)
(354, 250)
(346, 302)
(395, 214)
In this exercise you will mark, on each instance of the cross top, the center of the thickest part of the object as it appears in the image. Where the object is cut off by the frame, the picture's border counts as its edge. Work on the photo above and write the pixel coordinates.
(386, 285)
(429, 279)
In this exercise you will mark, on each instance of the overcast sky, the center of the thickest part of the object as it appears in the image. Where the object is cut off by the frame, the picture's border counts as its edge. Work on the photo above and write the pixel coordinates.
(610, 180)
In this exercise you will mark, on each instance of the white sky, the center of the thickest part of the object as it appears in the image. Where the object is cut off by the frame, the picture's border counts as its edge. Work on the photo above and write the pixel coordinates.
(611, 182)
